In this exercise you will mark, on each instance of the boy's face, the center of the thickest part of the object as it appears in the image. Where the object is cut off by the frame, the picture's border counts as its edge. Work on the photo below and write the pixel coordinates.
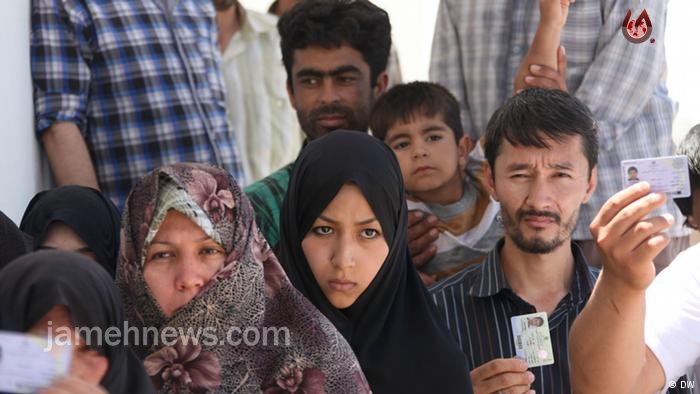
(431, 160)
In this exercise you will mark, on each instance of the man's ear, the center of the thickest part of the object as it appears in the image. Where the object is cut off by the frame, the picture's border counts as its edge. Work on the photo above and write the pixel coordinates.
(381, 84)
(489, 181)
(464, 148)
(290, 94)
(592, 183)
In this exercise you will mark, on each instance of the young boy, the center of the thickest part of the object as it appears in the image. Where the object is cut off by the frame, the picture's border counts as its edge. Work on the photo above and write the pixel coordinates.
(420, 122)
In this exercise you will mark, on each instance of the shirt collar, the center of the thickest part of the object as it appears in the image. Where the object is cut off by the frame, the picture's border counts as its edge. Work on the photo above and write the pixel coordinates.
(490, 278)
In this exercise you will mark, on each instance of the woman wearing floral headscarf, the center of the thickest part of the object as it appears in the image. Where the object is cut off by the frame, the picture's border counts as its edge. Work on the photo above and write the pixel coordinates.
(192, 259)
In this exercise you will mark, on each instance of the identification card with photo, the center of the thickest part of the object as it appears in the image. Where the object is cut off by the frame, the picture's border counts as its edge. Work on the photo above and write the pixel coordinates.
(26, 366)
(532, 340)
(668, 174)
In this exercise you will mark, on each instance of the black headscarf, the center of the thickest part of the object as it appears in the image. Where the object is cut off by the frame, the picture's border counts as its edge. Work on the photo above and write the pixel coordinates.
(34, 283)
(393, 327)
(13, 242)
(89, 213)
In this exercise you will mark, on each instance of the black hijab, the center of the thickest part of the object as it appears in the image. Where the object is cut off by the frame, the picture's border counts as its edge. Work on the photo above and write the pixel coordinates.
(89, 213)
(393, 327)
(13, 242)
(34, 283)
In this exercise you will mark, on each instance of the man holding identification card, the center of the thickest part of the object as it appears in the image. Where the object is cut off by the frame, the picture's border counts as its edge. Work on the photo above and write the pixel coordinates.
(639, 333)
(511, 314)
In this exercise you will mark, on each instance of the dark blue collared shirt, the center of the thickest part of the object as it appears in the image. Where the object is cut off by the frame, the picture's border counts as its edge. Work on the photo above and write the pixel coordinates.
(477, 305)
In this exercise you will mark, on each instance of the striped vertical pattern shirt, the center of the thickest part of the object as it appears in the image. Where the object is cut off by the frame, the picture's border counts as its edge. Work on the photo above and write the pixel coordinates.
(477, 305)
(140, 79)
(478, 46)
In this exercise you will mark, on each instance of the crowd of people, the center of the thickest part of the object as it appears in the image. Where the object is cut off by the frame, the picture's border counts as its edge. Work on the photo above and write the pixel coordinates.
(224, 175)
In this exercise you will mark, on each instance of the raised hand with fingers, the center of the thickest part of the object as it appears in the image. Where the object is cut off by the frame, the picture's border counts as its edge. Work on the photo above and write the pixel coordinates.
(544, 65)
(545, 77)
(422, 233)
(627, 239)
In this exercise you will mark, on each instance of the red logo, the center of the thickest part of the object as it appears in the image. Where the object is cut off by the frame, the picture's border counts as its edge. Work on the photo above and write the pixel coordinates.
(637, 30)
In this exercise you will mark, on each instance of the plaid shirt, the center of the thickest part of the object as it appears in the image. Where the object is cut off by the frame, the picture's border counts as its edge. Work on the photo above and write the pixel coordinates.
(479, 44)
(140, 79)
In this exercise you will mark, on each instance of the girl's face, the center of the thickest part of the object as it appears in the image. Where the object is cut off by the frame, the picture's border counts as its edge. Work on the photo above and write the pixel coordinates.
(345, 247)
(87, 364)
(180, 260)
(62, 237)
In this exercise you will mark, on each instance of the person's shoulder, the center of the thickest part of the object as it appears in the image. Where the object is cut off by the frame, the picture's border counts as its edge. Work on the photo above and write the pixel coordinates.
(685, 264)
(275, 181)
(466, 279)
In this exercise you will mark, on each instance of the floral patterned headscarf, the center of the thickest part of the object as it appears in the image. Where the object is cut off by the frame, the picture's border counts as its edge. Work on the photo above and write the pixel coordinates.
(248, 330)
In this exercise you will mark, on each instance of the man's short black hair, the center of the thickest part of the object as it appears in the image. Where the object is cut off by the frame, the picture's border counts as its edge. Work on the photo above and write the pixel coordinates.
(403, 103)
(535, 115)
(633, 168)
(690, 146)
(333, 23)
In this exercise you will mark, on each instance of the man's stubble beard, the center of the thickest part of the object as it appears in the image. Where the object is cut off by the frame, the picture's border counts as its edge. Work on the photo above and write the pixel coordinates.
(537, 245)
(352, 120)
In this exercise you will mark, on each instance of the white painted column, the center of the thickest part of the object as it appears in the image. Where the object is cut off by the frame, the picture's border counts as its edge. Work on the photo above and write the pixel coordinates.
(20, 169)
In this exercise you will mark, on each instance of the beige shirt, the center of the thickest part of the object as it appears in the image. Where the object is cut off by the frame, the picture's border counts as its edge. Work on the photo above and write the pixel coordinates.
(266, 127)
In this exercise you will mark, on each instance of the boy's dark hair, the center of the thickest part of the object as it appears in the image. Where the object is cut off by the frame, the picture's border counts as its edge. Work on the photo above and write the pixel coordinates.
(332, 23)
(404, 102)
(633, 168)
(690, 146)
(530, 117)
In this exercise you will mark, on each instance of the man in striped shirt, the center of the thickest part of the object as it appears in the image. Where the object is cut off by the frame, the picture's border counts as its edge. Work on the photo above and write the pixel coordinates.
(541, 147)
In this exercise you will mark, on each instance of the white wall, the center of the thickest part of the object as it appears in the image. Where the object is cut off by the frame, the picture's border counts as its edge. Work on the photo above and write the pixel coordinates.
(19, 159)
(683, 60)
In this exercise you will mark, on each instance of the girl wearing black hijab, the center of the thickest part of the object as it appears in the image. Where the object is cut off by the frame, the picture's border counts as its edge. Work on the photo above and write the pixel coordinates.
(13, 242)
(62, 286)
(75, 218)
(331, 240)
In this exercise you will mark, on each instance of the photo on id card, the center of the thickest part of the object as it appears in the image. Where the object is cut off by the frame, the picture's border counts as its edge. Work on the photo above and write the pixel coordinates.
(532, 340)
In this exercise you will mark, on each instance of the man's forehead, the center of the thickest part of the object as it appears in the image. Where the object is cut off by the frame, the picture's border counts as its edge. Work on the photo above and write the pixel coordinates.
(563, 142)
(568, 149)
(321, 59)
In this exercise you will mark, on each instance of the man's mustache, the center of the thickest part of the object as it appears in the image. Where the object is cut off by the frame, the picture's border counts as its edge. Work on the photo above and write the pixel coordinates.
(332, 109)
(520, 215)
